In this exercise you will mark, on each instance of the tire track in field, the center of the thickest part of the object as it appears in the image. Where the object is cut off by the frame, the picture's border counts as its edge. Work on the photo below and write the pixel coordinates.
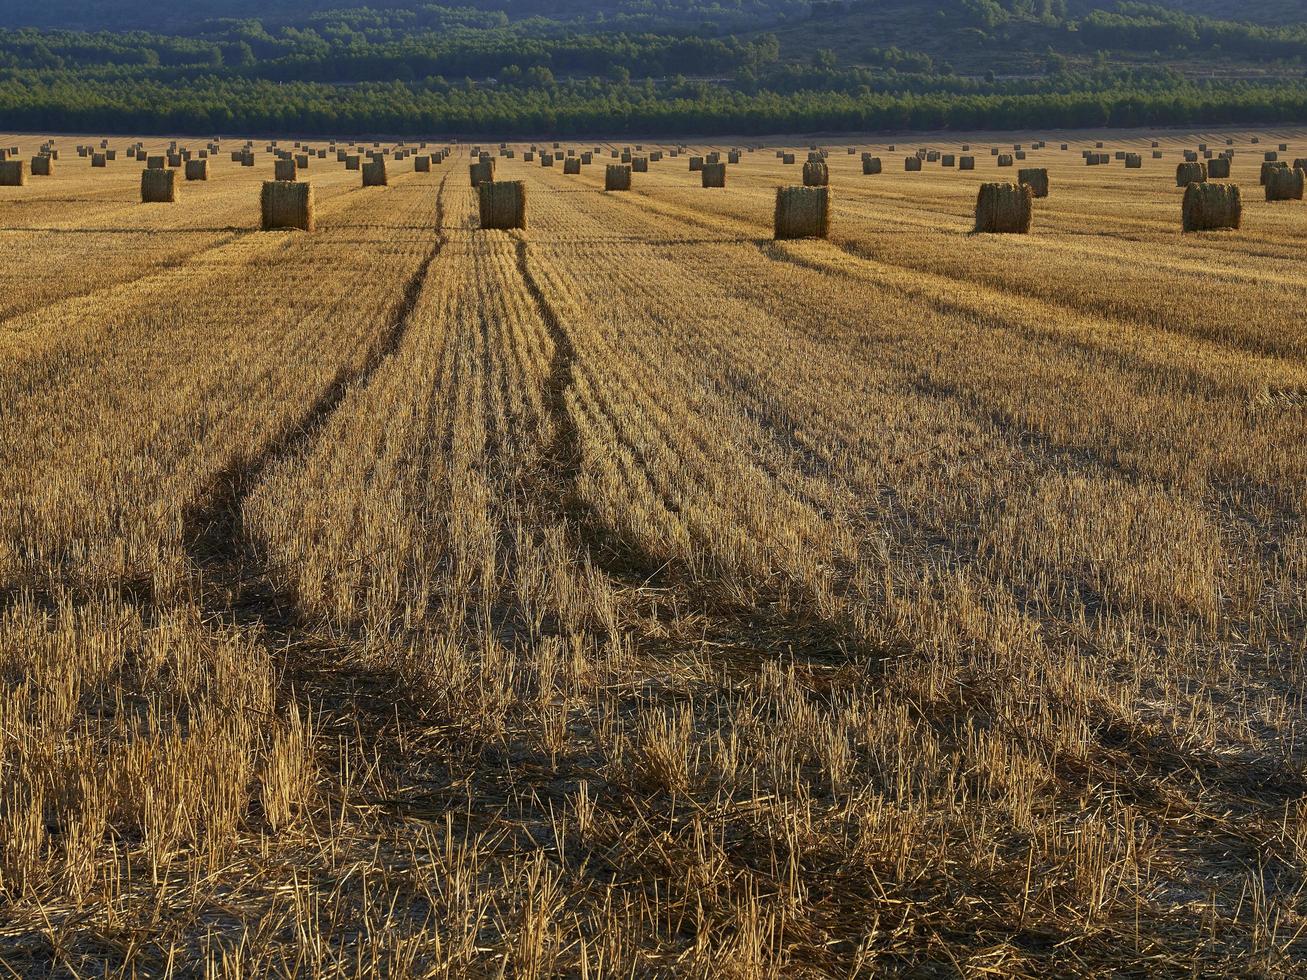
(234, 576)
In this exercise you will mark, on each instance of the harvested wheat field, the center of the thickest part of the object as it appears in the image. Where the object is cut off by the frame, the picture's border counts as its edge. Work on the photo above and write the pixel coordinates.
(634, 594)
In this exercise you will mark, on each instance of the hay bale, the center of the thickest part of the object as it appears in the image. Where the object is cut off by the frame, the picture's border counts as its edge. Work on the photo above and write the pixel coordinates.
(374, 174)
(617, 177)
(158, 186)
(502, 204)
(572, 165)
(111, 155)
(815, 174)
(787, 158)
(1005, 160)
(42, 166)
(1133, 161)
(871, 165)
(1218, 168)
(287, 205)
(422, 164)
(1284, 184)
(236, 155)
(1300, 163)
(912, 164)
(1267, 168)
(696, 163)
(948, 160)
(546, 159)
(1004, 209)
(1157, 154)
(247, 160)
(481, 172)
(802, 212)
(284, 170)
(1271, 157)
(1036, 178)
(353, 161)
(99, 160)
(1190, 156)
(640, 165)
(155, 163)
(734, 156)
(714, 175)
(1212, 207)
(587, 158)
(197, 169)
(967, 163)
(13, 173)
(1190, 173)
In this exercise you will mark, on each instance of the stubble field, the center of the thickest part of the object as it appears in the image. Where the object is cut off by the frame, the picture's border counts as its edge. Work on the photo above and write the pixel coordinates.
(635, 595)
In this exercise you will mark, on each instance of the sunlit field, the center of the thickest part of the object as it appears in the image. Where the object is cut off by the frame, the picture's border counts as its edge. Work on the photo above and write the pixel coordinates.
(633, 594)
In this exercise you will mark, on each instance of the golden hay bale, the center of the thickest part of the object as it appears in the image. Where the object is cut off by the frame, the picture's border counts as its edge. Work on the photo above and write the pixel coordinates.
(502, 204)
(1005, 160)
(733, 156)
(1190, 173)
(787, 158)
(587, 158)
(1270, 156)
(1218, 168)
(871, 165)
(1190, 156)
(236, 155)
(158, 186)
(546, 159)
(287, 205)
(1267, 169)
(374, 174)
(528, 156)
(155, 163)
(572, 165)
(1157, 154)
(948, 160)
(13, 173)
(655, 156)
(422, 164)
(1036, 178)
(99, 160)
(284, 170)
(111, 155)
(967, 163)
(696, 163)
(802, 212)
(815, 174)
(197, 169)
(1004, 209)
(912, 164)
(353, 162)
(1133, 161)
(481, 172)
(1284, 184)
(640, 165)
(617, 177)
(1212, 207)
(42, 166)
(714, 175)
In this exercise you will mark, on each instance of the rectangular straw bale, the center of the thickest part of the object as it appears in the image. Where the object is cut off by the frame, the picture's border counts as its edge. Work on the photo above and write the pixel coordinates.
(287, 205)
(871, 165)
(802, 212)
(1283, 184)
(640, 165)
(374, 174)
(13, 173)
(912, 164)
(284, 170)
(502, 204)
(99, 160)
(197, 169)
(617, 177)
(42, 166)
(1218, 168)
(1190, 173)
(1036, 178)
(967, 163)
(481, 172)
(714, 175)
(1004, 209)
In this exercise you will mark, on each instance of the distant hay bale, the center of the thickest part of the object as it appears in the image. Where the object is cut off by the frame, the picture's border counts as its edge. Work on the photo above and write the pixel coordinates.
(656, 155)
(155, 163)
(713, 157)
(1190, 156)
(481, 172)
(640, 165)
(572, 165)
(1133, 161)
(13, 173)
(815, 174)
(1020, 154)
(422, 164)
(912, 164)
(802, 212)
(734, 156)
(1157, 154)
(1004, 209)
(1212, 207)
(1190, 173)
(696, 163)
(1300, 163)
(247, 159)
(1284, 184)
(111, 155)
(1005, 160)
(871, 165)
(287, 205)
(1218, 168)
(814, 157)
(966, 147)
(353, 161)
(967, 163)
(42, 166)
(374, 174)
(1271, 156)
(546, 159)
(1267, 168)
(528, 156)
(933, 156)
(948, 160)
(502, 204)
(284, 170)
(1036, 178)
(158, 186)
(197, 169)
(302, 161)
(787, 158)
(587, 158)
(99, 160)
(236, 155)
(714, 175)
(617, 177)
